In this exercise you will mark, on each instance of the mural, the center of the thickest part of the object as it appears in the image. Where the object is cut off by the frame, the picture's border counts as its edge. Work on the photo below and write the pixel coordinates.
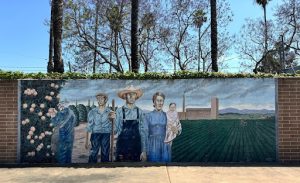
(186, 120)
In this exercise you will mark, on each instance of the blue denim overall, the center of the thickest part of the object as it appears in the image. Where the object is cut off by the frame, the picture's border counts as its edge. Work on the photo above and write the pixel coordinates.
(129, 140)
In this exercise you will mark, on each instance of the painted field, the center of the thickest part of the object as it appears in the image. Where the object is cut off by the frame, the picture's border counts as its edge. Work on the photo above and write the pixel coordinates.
(226, 140)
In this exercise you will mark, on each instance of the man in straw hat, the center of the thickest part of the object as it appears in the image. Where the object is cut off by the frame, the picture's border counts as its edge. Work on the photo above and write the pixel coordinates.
(99, 129)
(131, 145)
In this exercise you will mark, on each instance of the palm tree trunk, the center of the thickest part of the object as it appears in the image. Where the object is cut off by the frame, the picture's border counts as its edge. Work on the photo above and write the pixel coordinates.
(50, 65)
(134, 35)
(199, 47)
(57, 35)
(214, 35)
(110, 52)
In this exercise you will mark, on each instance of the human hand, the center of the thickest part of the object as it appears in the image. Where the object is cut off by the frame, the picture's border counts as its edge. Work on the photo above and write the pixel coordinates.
(143, 157)
(112, 115)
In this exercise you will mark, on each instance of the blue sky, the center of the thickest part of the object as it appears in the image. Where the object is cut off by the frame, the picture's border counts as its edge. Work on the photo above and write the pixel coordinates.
(24, 37)
(254, 94)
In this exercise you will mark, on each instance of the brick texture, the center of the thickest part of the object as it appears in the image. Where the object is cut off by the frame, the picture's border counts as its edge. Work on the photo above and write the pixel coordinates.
(289, 120)
(8, 121)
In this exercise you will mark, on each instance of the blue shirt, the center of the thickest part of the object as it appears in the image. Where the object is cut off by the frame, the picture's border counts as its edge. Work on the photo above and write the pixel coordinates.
(99, 122)
(131, 114)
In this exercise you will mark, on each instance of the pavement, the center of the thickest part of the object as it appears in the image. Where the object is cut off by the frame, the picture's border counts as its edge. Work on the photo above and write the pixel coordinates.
(153, 174)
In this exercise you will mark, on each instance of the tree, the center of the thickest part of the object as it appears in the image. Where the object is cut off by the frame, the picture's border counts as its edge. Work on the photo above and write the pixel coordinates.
(134, 35)
(166, 35)
(178, 35)
(214, 35)
(50, 65)
(114, 16)
(82, 113)
(287, 19)
(57, 24)
(149, 35)
(96, 34)
(80, 39)
(263, 4)
(251, 47)
(198, 20)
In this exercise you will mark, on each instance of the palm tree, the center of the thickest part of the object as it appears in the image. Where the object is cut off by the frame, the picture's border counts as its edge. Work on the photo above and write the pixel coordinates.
(57, 18)
(114, 16)
(264, 3)
(214, 35)
(50, 59)
(134, 35)
(198, 20)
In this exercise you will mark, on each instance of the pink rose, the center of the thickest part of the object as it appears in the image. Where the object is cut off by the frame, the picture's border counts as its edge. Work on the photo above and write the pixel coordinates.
(32, 129)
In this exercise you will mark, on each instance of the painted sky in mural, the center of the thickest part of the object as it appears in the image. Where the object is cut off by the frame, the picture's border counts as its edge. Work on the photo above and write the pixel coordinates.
(252, 94)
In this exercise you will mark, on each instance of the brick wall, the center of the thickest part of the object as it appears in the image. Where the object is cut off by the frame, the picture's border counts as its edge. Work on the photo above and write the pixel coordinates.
(288, 119)
(8, 121)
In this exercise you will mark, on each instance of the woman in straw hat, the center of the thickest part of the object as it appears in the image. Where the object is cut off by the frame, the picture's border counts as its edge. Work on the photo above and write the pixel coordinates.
(130, 129)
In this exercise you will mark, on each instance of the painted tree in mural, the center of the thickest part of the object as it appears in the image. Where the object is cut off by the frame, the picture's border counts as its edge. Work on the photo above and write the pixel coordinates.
(38, 100)
(82, 113)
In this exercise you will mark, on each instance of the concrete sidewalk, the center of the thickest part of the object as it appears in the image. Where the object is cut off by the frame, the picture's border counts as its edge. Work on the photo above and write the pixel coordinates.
(162, 174)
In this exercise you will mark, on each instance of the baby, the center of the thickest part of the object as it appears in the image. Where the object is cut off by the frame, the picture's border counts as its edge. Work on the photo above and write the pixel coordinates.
(173, 124)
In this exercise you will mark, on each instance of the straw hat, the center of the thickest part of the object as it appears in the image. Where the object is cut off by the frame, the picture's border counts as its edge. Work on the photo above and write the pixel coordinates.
(130, 89)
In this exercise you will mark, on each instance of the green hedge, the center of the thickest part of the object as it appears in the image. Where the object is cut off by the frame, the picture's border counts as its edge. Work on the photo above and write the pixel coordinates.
(139, 76)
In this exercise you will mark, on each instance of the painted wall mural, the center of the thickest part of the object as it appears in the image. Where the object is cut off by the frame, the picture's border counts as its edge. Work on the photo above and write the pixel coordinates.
(186, 120)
